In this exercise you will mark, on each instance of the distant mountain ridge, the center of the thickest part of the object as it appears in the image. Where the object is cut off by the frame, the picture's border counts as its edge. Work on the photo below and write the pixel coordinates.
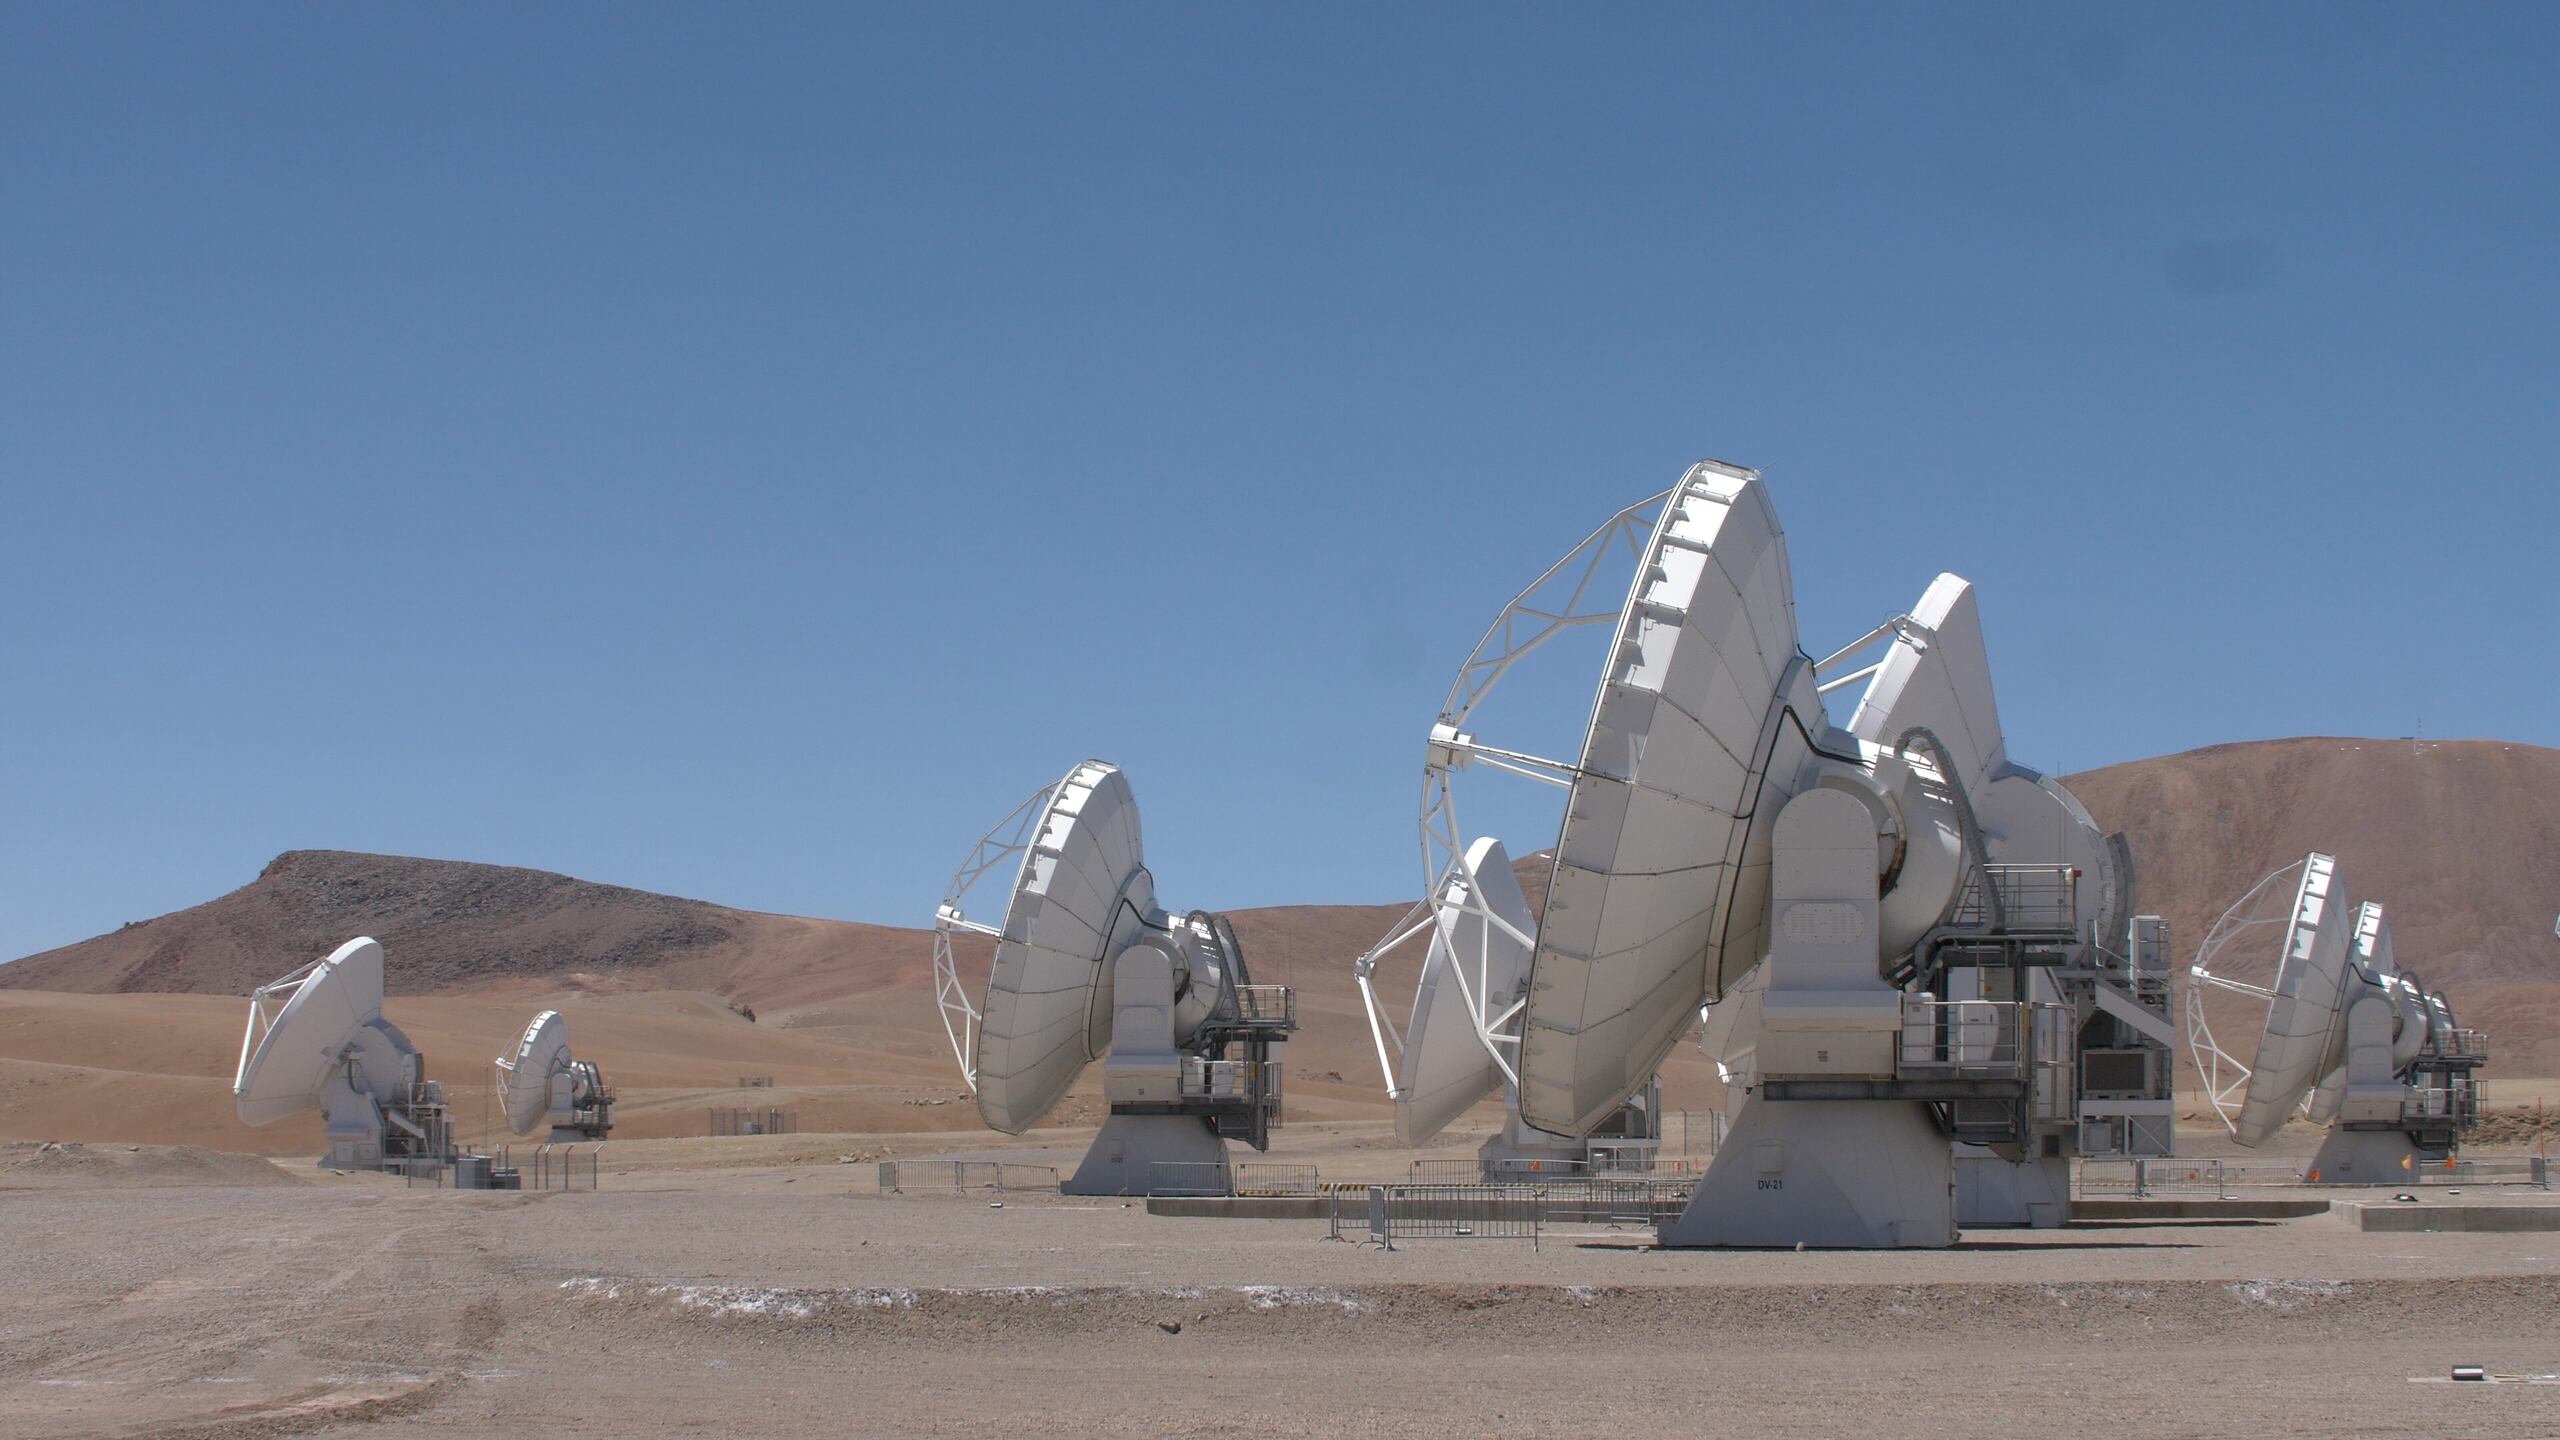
(450, 925)
(2460, 840)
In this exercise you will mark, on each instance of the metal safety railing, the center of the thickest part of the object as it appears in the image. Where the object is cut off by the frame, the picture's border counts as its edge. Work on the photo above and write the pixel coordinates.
(1977, 1039)
(1620, 1160)
(2463, 1044)
(564, 1167)
(2033, 899)
(1229, 1079)
(930, 1176)
(752, 1120)
(2227, 1179)
(1267, 1004)
(1447, 1212)
(1191, 1177)
(1388, 1213)
(1271, 1177)
(1443, 1172)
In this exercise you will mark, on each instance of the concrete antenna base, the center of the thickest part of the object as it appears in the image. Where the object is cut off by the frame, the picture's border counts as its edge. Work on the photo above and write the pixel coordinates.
(1827, 1174)
(1991, 1190)
(2364, 1157)
(1125, 1155)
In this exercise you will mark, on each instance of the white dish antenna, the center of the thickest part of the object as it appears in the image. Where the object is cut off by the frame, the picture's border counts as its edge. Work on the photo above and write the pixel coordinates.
(1080, 893)
(1937, 676)
(317, 1040)
(1477, 967)
(539, 1081)
(525, 1073)
(1086, 966)
(301, 1028)
(1474, 973)
(2304, 1036)
(1705, 720)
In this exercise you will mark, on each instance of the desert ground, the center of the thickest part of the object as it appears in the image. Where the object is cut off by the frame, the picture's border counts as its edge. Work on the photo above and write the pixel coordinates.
(764, 1286)
(172, 1272)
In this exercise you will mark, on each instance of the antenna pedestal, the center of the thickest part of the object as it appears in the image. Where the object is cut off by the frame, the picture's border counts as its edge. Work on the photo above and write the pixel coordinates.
(2391, 1121)
(1175, 1101)
(354, 1129)
(1992, 1190)
(2365, 1157)
(1127, 1155)
(1627, 1141)
(1824, 1150)
(1829, 1175)
(1142, 1078)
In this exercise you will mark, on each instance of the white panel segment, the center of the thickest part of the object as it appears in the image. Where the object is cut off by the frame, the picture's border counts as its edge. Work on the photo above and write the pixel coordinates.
(2305, 1035)
(290, 1068)
(1446, 1067)
(544, 1051)
(2375, 957)
(1048, 1006)
(1939, 679)
(1641, 924)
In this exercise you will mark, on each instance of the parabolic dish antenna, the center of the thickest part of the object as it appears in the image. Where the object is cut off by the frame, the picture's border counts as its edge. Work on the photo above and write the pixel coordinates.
(1080, 893)
(288, 1061)
(1703, 726)
(1477, 941)
(1478, 963)
(1936, 675)
(2303, 1037)
(1086, 966)
(317, 1040)
(542, 1053)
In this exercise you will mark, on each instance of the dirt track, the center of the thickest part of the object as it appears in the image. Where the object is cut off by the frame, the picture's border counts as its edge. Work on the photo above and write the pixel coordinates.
(793, 1301)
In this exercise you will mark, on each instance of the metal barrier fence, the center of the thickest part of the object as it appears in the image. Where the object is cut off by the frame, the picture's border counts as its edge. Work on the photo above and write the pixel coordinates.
(1191, 1177)
(1607, 1166)
(1454, 1212)
(1443, 1172)
(1501, 1212)
(1256, 1177)
(955, 1175)
(750, 1120)
(1613, 1201)
(564, 1168)
(549, 1167)
(2221, 1179)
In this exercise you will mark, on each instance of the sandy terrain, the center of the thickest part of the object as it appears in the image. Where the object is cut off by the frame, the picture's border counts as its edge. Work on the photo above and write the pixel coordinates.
(780, 1297)
(2460, 840)
(166, 1280)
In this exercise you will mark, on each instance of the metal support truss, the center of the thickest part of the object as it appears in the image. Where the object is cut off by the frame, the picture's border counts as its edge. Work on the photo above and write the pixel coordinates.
(2267, 905)
(1574, 593)
(1000, 850)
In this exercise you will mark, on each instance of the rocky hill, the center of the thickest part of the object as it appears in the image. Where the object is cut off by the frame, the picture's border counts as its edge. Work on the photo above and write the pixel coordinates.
(453, 925)
(2461, 839)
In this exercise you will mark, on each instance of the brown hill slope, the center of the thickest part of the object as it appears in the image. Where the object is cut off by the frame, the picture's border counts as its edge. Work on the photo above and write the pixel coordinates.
(2459, 839)
(454, 925)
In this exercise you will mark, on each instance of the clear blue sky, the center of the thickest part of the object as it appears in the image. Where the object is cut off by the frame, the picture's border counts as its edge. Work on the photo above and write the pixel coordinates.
(739, 451)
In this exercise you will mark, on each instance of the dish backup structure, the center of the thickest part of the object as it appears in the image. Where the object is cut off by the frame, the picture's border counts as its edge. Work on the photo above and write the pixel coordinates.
(539, 1081)
(1905, 946)
(1475, 969)
(317, 1039)
(2349, 1039)
(1087, 965)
